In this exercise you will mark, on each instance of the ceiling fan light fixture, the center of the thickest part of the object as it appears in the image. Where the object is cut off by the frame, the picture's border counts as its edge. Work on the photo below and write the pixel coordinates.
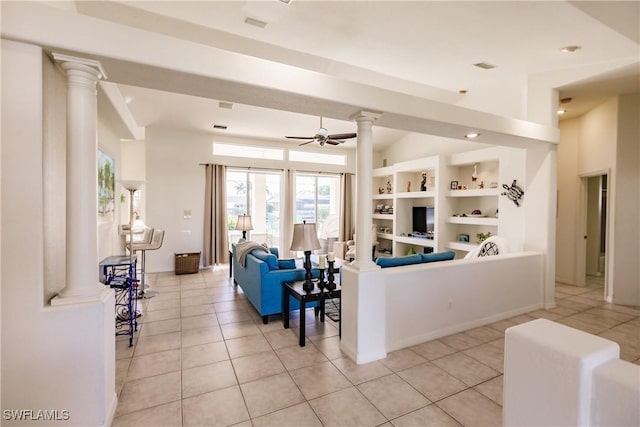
(323, 132)
(255, 22)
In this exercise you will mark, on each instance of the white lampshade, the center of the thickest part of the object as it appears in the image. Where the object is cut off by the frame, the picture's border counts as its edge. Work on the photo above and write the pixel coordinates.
(305, 237)
(244, 223)
(131, 185)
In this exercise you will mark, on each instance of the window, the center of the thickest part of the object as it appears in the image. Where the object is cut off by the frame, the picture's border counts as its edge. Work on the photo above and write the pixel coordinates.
(220, 149)
(318, 200)
(327, 159)
(255, 193)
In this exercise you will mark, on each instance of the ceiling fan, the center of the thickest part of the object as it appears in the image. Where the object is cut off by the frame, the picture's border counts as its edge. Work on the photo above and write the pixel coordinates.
(322, 137)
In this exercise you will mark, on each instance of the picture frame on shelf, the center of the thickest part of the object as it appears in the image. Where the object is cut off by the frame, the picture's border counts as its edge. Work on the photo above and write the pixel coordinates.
(454, 185)
(463, 238)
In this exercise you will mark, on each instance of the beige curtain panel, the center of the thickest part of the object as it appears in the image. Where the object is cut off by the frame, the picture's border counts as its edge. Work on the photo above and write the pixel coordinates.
(216, 245)
(347, 224)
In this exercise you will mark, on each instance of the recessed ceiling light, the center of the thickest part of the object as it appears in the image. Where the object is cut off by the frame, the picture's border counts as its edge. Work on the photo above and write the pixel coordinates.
(220, 127)
(484, 65)
(128, 99)
(225, 105)
(255, 22)
(561, 111)
(570, 49)
(472, 135)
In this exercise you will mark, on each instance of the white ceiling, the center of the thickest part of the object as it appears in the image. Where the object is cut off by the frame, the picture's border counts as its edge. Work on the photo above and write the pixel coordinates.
(418, 47)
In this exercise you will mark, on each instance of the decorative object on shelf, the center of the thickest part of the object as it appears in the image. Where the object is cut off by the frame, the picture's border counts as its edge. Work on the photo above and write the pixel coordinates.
(493, 184)
(496, 213)
(389, 187)
(244, 224)
(514, 193)
(423, 183)
(380, 190)
(481, 185)
(463, 238)
(411, 251)
(474, 176)
(454, 185)
(483, 236)
(305, 238)
(408, 186)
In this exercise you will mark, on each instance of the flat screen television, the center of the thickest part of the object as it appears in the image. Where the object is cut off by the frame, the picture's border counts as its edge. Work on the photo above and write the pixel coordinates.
(423, 219)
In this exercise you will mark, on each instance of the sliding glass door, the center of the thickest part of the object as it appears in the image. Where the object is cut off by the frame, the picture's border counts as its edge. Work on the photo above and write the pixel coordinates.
(318, 200)
(255, 193)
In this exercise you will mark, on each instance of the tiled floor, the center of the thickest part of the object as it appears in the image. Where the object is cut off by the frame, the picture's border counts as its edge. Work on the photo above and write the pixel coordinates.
(203, 357)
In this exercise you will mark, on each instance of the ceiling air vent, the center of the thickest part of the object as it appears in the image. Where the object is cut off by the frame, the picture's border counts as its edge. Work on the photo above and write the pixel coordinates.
(484, 65)
(220, 127)
(225, 105)
(255, 22)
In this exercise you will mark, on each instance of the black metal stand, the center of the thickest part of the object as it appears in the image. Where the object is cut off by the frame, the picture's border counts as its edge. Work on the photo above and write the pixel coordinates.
(330, 285)
(120, 275)
(308, 284)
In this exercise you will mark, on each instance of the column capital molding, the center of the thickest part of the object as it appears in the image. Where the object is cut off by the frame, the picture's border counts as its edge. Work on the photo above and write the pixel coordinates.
(363, 114)
(84, 64)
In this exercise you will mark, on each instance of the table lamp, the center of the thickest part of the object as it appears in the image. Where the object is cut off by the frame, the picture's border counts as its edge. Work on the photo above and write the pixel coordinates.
(244, 224)
(305, 238)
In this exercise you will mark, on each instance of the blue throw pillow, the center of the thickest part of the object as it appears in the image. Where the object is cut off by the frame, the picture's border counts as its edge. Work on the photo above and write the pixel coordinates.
(385, 262)
(270, 259)
(287, 264)
(438, 256)
(275, 252)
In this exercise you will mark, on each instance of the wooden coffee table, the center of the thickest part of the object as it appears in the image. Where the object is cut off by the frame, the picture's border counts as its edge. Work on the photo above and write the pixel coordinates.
(294, 289)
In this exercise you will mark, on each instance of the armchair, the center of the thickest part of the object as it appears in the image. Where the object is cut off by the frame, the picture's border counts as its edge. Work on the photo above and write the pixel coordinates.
(351, 245)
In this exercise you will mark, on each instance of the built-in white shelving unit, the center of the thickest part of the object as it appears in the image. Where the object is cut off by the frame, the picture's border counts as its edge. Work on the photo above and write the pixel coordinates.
(455, 210)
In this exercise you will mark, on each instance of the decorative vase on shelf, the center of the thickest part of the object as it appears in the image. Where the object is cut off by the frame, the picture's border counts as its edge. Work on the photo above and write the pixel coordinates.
(474, 177)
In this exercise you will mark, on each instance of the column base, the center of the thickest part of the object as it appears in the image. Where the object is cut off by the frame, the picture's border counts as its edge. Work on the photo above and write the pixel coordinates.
(101, 293)
(366, 265)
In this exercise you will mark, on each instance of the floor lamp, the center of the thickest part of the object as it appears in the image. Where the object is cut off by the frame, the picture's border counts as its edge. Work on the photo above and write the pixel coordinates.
(132, 187)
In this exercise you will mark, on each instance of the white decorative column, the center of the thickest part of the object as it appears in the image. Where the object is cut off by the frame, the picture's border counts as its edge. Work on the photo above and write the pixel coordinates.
(363, 313)
(364, 167)
(82, 282)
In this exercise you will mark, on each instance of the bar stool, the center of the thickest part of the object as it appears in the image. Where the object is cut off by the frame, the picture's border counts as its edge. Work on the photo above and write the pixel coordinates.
(155, 243)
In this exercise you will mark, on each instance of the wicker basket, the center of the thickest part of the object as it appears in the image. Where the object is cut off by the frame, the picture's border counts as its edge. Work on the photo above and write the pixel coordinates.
(187, 263)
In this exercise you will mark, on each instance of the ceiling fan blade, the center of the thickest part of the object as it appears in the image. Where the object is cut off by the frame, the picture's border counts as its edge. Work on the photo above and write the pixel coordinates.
(333, 141)
(342, 135)
(305, 143)
(299, 137)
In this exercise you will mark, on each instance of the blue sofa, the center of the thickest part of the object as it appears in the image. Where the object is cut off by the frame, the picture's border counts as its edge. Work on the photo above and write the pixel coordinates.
(386, 262)
(262, 277)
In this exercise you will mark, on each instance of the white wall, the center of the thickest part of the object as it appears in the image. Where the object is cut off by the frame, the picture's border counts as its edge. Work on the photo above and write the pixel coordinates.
(568, 201)
(52, 358)
(428, 301)
(174, 182)
(603, 140)
(625, 245)
(417, 145)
